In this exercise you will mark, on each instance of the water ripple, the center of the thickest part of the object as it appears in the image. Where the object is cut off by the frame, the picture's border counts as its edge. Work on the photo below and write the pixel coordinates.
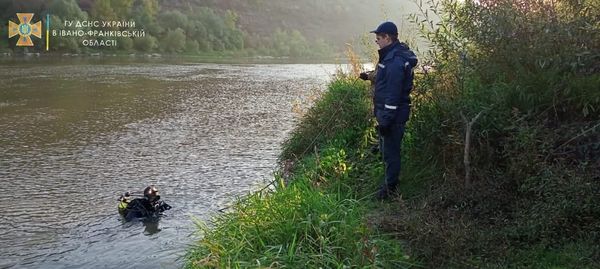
(204, 133)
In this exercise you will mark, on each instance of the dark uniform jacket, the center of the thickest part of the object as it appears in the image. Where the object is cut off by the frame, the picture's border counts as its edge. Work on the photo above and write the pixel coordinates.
(393, 84)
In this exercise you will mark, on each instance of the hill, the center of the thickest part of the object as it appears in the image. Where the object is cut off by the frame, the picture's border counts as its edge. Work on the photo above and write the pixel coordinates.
(279, 28)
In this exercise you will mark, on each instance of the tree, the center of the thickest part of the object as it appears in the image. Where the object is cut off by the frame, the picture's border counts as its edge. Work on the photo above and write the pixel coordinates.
(145, 12)
(150, 7)
(125, 43)
(145, 44)
(235, 39)
(321, 47)
(297, 43)
(197, 30)
(69, 44)
(192, 46)
(173, 20)
(231, 19)
(279, 43)
(204, 45)
(122, 9)
(103, 10)
(67, 9)
(174, 41)
(62, 10)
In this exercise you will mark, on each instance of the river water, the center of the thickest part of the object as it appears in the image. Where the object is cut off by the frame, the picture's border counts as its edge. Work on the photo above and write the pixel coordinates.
(75, 134)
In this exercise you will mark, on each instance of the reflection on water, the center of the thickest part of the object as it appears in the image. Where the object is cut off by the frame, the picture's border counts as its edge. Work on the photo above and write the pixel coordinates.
(73, 137)
(151, 227)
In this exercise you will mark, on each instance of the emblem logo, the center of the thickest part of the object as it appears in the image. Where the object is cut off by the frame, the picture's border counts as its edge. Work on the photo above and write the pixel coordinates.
(25, 29)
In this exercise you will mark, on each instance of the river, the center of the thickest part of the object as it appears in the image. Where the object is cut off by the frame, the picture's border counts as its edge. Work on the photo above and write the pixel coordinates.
(76, 133)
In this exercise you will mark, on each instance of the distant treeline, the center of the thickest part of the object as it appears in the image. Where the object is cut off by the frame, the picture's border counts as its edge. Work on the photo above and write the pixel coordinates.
(193, 30)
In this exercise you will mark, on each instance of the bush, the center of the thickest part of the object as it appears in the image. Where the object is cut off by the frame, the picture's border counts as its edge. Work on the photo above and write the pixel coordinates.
(317, 220)
(145, 44)
(343, 114)
(174, 41)
(125, 43)
(531, 69)
(517, 74)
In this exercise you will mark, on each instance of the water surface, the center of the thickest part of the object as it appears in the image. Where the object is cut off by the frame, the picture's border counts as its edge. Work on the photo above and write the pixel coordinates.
(74, 134)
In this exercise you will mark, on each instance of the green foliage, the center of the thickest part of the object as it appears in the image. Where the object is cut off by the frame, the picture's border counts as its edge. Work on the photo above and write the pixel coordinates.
(173, 19)
(63, 43)
(103, 10)
(322, 48)
(231, 19)
(145, 44)
(145, 13)
(122, 8)
(67, 9)
(174, 41)
(125, 43)
(558, 205)
(192, 46)
(520, 67)
(295, 226)
(214, 30)
(531, 69)
(342, 113)
(290, 43)
(534, 155)
(315, 220)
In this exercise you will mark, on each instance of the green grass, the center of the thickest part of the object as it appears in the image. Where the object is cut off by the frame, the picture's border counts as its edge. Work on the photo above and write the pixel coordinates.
(316, 219)
(534, 158)
(296, 226)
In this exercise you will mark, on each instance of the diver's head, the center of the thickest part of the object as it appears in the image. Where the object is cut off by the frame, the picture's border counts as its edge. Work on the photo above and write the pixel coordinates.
(151, 193)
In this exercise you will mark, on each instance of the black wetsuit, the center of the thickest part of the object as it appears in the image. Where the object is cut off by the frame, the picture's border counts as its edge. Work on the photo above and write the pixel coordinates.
(142, 208)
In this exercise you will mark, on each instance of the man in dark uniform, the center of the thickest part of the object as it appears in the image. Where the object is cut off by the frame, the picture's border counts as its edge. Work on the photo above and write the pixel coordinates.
(393, 83)
(149, 206)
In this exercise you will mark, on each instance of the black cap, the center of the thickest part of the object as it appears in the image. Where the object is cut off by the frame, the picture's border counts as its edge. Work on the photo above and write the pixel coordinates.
(387, 27)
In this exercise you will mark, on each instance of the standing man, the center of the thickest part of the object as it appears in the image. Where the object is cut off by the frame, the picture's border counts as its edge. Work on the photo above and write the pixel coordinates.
(393, 83)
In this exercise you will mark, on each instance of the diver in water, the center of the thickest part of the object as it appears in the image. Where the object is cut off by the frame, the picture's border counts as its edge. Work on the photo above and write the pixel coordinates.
(149, 206)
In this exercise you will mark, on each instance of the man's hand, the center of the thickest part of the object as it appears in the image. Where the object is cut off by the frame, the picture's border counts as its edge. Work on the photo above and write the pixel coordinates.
(364, 76)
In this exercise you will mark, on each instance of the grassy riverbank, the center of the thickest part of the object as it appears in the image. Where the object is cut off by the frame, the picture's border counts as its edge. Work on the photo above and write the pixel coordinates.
(314, 215)
(500, 158)
(518, 213)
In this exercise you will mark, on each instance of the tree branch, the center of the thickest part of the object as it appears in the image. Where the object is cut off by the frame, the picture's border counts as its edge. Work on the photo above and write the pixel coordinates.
(467, 158)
